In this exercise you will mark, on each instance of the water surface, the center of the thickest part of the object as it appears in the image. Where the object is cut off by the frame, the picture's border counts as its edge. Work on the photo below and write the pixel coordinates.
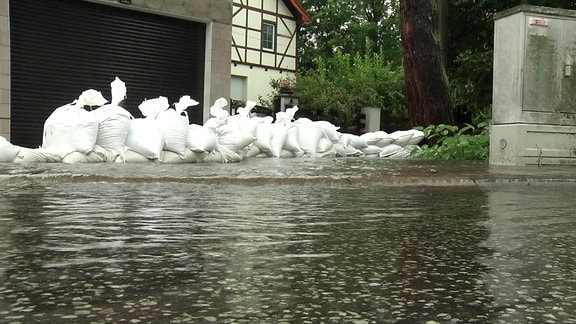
(118, 249)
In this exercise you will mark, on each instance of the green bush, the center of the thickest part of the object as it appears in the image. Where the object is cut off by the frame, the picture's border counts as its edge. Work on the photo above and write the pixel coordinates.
(340, 86)
(471, 86)
(449, 142)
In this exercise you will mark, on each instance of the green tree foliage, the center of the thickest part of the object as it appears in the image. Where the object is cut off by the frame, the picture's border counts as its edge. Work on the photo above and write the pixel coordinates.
(469, 56)
(339, 75)
(350, 56)
(344, 83)
(344, 25)
(340, 27)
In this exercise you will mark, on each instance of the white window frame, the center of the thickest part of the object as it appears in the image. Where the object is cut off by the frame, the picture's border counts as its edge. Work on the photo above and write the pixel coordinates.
(265, 35)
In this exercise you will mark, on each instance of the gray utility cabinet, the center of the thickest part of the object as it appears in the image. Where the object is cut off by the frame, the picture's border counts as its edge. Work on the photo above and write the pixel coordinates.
(534, 93)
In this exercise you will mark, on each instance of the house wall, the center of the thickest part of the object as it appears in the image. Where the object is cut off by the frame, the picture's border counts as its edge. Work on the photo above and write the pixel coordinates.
(258, 67)
(258, 81)
(217, 14)
(4, 70)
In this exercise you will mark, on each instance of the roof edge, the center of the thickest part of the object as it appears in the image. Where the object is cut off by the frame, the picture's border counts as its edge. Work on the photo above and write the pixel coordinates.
(304, 16)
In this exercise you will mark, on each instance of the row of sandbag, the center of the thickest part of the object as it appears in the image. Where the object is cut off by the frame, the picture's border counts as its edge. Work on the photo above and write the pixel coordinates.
(109, 133)
(242, 135)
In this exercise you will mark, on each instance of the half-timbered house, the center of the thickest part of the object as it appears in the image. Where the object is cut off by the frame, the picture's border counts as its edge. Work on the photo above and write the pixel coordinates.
(264, 44)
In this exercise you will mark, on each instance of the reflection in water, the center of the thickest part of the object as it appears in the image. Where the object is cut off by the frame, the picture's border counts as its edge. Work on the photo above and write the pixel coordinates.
(172, 252)
(532, 276)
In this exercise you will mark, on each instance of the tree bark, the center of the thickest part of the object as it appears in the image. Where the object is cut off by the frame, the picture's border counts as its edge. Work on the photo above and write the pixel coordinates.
(426, 83)
(443, 27)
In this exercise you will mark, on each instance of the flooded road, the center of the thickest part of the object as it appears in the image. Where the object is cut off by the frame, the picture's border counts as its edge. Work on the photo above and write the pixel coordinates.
(287, 241)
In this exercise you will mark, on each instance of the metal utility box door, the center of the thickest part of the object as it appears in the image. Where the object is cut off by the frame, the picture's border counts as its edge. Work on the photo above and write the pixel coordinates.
(534, 89)
(534, 66)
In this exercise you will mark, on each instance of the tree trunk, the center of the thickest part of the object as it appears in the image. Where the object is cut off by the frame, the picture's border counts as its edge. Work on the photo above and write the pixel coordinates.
(426, 83)
(443, 27)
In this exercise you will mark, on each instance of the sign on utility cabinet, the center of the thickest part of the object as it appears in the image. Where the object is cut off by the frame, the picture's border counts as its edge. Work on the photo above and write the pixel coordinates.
(534, 87)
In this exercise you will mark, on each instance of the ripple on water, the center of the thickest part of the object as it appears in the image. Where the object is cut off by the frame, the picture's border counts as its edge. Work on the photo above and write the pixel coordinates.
(161, 252)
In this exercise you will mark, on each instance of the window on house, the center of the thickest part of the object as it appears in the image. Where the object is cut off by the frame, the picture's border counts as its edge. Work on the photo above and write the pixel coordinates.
(237, 92)
(238, 87)
(268, 36)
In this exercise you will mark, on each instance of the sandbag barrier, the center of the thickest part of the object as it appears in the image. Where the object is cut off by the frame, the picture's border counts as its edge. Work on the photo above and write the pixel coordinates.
(109, 133)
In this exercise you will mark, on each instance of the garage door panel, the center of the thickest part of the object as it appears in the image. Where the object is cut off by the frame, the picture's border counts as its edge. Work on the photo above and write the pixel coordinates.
(61, 47)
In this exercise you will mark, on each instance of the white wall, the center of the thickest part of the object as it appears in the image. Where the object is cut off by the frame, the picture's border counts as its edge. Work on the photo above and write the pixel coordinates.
(258, 80)
(257, 66)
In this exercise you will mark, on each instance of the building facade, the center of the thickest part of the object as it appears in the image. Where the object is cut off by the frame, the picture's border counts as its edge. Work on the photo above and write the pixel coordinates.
(52, 50)
(264, 43)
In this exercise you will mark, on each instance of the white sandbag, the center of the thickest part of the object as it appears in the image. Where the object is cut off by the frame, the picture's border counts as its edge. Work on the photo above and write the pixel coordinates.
(355, 141)
(217, 109)
(372, 138)
(174, 128)
(246, 111)
(244, 124)
(402, 154)
(372, 150)
(8, 151)
(201, 139)
(264, 119)
(37, 155)
(309, 135)
(70, 128)
(223, 156)
(153, 107)
(184, 103)
(386, 140)
(92, 98)
(113, 127)
(105, 154)
(118, 90)
(344, 140)
(278, 135)
(291, 112)
(389, 150)
(189, 157)
(417, 137)
(243, 152)
(286, 117)
(282, 119)
(232, 138)
(349, 150)
(303, 120)
(263, 137)
(262, 155)
(329, 153)
(401, 138)
(253, 151)
(330, 130)
(135, 157)
(324, 145)
(97, 155)
(145, 138)
(287, 154)
(291, 143)
(214, 122)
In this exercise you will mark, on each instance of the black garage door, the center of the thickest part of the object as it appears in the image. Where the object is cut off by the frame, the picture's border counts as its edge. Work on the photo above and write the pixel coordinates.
(60, 48)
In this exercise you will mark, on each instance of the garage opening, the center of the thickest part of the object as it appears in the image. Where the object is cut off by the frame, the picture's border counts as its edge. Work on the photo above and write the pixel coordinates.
(60, 48)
